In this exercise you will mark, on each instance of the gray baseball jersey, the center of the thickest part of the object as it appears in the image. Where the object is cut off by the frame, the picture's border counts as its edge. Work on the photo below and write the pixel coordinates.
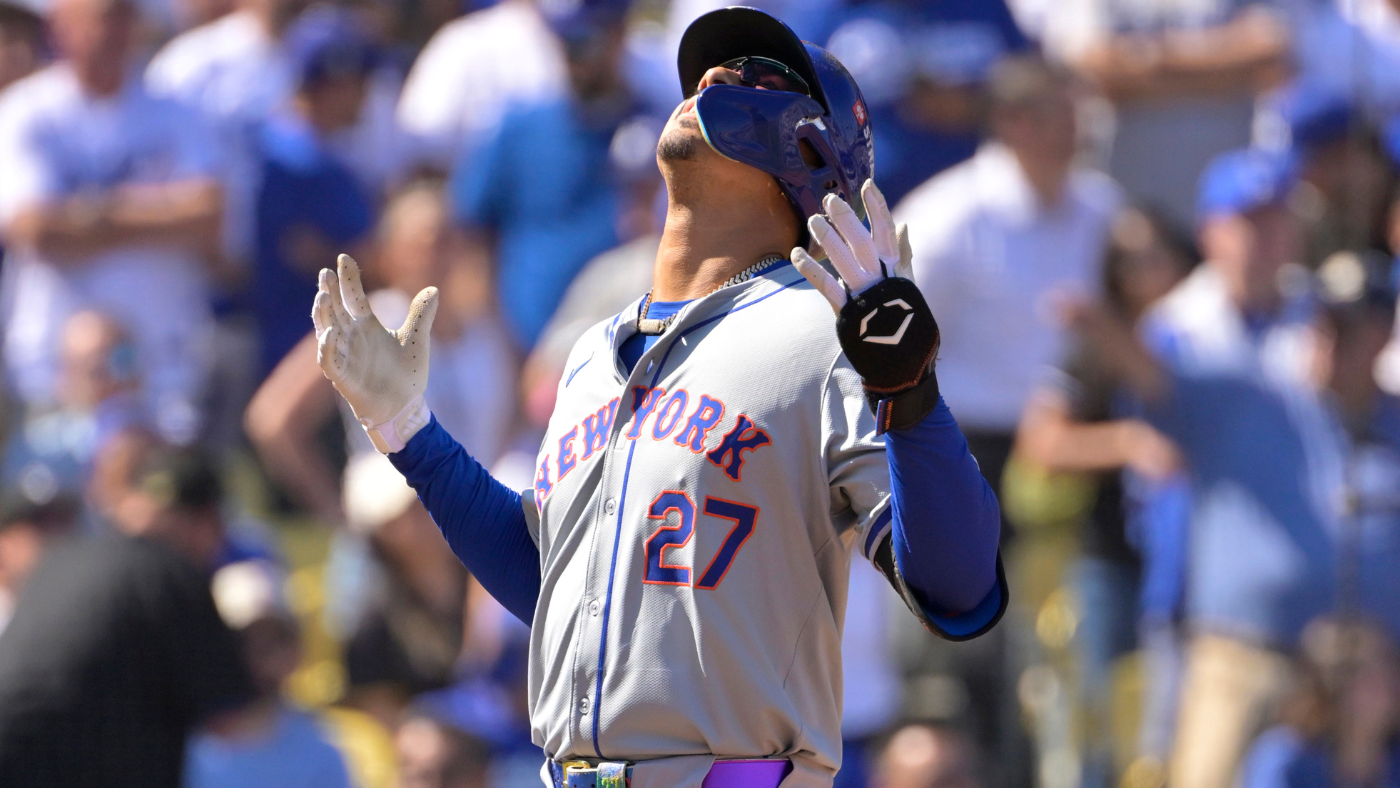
(695, 521)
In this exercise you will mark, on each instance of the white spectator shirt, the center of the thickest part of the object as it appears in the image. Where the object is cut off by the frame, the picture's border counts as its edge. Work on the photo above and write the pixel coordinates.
(236, 76)
(1377, 17)
(471, 72)
(988, 256)
(1160, 145)
(57, 142)
(870, 680)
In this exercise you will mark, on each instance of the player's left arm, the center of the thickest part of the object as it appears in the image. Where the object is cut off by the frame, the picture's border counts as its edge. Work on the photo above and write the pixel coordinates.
(941, 554)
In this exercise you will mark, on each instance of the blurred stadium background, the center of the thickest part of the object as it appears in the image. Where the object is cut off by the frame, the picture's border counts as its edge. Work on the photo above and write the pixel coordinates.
(1159, 236)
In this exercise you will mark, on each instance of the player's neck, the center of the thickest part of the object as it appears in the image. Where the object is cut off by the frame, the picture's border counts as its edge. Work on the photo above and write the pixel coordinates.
(706, 242)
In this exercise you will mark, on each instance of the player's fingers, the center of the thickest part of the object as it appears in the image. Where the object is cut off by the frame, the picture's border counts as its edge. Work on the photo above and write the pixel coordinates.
(825, 283)
(857, 238)
(329, 284)
(419, 323)
(352, 291)
(836, 249)
(905, 268)
(882, 230)
(329, 354)
(321, 316)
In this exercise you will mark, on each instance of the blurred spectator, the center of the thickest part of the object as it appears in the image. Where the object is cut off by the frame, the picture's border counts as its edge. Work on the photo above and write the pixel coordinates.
(22, 48)
(1341, 721)
(1079, 423)
(1345, 175)
(433, 754)
(1345, 55)
(196, 13)
(116, 651)
(870, 691)
(544, 193)
(21, 41)
(232, 73)
(30, 525)
(178, 497)
(408, 638)
(309, 205)
(237, 72)
(813, 20)
(1379, 18)
(471, 71)
(470, 390)
(1388, 365)
(269, 743)
(1352, 330)
(994, 237)
(928, 756)
(101, 424)
(108, 202)
(652, 70)
(603, 288)
(923, 69)
(489, 700)
(1232, 389)
(1182, 78)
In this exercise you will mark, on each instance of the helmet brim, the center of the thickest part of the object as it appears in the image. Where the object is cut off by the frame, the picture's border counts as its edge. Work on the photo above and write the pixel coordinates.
(728, 33)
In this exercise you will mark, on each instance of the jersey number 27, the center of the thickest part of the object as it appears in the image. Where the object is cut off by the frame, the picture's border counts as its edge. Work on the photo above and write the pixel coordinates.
(661, 573)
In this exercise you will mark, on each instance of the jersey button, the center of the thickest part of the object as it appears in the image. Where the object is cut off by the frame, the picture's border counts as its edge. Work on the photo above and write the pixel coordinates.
(583, 705)
(594, 608)
(610, 506)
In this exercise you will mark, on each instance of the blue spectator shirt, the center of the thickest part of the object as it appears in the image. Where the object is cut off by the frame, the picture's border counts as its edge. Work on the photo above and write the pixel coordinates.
(298, 753)
(1370, 540)
(887, 45)
(1281, 758)
(544, 184)
(1264, 461)
(307, 199)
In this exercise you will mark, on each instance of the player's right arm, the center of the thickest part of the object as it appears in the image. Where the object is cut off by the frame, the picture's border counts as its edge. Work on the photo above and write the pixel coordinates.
(382, 374)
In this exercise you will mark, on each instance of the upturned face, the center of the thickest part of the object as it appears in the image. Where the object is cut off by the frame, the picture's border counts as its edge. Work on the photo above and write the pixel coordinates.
(694, 170)
(681, 139)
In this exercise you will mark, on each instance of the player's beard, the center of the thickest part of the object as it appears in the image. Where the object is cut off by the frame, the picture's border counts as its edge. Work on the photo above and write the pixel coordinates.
(678, 144)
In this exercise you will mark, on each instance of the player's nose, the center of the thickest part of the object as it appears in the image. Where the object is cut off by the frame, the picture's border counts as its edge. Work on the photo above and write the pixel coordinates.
(719, 76)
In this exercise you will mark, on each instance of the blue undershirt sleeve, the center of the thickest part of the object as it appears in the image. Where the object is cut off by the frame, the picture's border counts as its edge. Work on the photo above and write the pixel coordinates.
(481, 518)
(947, 525)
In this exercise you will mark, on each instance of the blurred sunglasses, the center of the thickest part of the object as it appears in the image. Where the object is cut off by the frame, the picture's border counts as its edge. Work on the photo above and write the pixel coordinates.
(762, 72)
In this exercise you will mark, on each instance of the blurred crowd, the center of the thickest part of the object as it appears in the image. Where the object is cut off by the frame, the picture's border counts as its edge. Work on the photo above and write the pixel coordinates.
(1159, 237)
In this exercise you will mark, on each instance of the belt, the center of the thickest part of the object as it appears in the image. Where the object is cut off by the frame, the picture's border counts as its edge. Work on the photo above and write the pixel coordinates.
(751, 773)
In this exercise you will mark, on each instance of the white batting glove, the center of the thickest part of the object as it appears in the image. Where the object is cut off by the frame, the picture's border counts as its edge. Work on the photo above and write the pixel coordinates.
(862, 257)
(883, 323)
(381, 373)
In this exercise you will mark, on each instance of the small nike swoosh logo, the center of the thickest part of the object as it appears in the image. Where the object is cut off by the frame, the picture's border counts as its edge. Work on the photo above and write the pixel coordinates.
(576, 370)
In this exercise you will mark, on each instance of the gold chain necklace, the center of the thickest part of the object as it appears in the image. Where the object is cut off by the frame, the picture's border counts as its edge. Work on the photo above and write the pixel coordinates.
(651, 327)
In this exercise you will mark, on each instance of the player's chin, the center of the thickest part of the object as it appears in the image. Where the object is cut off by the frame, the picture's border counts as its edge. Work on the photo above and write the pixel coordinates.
(680, 142)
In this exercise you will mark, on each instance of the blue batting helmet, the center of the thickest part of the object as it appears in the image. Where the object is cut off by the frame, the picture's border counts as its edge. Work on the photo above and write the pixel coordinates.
(814, 144)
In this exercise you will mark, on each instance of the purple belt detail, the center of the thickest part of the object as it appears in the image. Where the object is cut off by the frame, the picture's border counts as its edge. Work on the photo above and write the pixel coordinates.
(747, 774)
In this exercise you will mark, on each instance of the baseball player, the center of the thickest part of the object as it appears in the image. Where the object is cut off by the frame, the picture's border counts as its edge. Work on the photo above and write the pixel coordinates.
(717, 452)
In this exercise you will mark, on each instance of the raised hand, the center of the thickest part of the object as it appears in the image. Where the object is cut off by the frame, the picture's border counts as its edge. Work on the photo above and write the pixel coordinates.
(882, 321)
(862, 257)
(381, 373)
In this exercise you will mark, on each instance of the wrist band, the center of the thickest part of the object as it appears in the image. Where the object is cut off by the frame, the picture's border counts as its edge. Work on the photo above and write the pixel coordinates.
(391, 436)
(906, 408)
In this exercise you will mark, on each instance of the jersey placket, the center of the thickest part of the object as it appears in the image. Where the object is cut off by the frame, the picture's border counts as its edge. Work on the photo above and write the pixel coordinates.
(604, 548)
(652, 363)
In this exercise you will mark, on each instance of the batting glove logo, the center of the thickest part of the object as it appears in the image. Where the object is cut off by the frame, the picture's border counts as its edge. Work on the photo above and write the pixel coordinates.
(891, 339)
